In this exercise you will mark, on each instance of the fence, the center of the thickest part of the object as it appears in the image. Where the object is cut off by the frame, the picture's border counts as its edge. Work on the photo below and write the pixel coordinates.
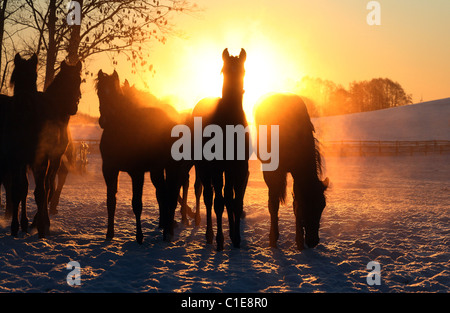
(356, 147)
(367, 148)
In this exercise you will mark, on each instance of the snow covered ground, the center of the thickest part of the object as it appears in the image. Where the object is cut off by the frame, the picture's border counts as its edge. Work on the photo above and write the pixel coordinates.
(421, 121)
(392, 210)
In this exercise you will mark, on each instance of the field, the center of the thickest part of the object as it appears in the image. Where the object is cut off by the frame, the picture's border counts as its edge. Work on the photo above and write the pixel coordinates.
(393, 210)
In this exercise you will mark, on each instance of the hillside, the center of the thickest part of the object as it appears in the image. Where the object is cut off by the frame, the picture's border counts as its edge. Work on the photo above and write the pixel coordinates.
(421, 121)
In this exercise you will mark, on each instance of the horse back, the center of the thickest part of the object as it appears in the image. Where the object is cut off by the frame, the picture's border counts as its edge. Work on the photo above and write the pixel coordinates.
(140, 139)
(289, 112)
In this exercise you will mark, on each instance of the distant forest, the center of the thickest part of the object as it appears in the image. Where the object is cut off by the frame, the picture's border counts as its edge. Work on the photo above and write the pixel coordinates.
(324, 97)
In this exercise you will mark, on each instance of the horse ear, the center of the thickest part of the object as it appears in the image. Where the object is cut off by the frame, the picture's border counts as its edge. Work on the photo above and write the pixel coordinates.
(115, 75)
(78, 66)
(100, 73)
(225, 54)
(17, 58)
(326, 183)
(243, 55)
(126, 83)
(63, 65)
(34, 60)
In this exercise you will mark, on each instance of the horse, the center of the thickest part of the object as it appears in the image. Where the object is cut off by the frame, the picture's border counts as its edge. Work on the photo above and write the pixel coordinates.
(299, 154)
(136, 140)
(37, 134)
(19, 136)
(67, 163)
(149, 100)
(222, 112)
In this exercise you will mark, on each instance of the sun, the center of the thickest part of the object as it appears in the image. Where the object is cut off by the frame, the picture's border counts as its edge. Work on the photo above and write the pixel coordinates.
(194, 71)
(260, 78)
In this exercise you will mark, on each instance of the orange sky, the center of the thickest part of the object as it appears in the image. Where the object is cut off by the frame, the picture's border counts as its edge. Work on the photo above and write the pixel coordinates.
(286, 40)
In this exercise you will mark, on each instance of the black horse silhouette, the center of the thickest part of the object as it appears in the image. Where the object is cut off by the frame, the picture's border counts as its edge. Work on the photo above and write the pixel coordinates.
(225, 111)
(146, 99)
(15, 145)
(136, 140)
(35, 134)
(299, 155)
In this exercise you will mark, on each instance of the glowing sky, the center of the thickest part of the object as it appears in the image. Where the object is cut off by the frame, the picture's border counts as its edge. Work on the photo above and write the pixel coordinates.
(286, 40)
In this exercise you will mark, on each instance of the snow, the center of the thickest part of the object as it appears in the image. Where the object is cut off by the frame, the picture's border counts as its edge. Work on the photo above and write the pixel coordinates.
(85, 131)
(392, 210)
(421, 121)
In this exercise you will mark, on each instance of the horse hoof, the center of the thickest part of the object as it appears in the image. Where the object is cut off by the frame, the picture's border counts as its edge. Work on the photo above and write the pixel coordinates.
(167, 237)
(109, 236)
(300, 246)
(209, 238)
(243, 214)
(220, 247)
(53, 212)
(24, 228)
(139, 238)
(273, 244)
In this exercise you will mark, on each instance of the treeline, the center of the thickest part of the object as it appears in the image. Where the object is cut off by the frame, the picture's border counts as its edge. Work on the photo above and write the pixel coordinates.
(324, 97)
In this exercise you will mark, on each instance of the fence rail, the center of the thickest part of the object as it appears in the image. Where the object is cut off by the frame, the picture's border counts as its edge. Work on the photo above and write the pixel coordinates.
(380, 147)
(359, 147)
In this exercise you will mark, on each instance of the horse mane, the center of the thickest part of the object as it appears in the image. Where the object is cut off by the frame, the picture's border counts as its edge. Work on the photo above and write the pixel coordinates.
(298, 142)
(57, 83)
(145, 99)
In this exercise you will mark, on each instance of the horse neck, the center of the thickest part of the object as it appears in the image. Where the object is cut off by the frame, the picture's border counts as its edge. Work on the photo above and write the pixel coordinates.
(115, 112)
(56, 100)
(25, 91)
(230, 108)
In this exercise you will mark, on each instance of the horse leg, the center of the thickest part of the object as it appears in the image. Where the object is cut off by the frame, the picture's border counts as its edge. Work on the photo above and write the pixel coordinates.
(298, 212)
(14, 198)
(158, 180)
(274, 181)
(23, 200)
(229, 203)
(174, 179)
(137, 180)
(111, 178)
(238, 203)
(219, 203)
(184, 206)
(40, 196)
(63, 171)
(50, 178)
(198, 192)
(8, 197)
(243, 214)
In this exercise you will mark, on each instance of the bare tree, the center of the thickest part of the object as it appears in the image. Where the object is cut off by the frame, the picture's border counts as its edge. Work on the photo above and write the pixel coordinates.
(116, 27)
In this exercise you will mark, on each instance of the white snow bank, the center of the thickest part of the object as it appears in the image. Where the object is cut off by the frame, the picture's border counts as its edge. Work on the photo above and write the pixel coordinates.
(421, 121)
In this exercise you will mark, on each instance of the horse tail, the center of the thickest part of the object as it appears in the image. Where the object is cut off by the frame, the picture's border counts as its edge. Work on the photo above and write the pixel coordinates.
(318, 157)
(282, 189)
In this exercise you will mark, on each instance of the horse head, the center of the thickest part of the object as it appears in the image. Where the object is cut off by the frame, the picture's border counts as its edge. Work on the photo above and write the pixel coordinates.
(71, 76)
(233, 74)
(24, 75)
(313, 203)
(109, 92)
